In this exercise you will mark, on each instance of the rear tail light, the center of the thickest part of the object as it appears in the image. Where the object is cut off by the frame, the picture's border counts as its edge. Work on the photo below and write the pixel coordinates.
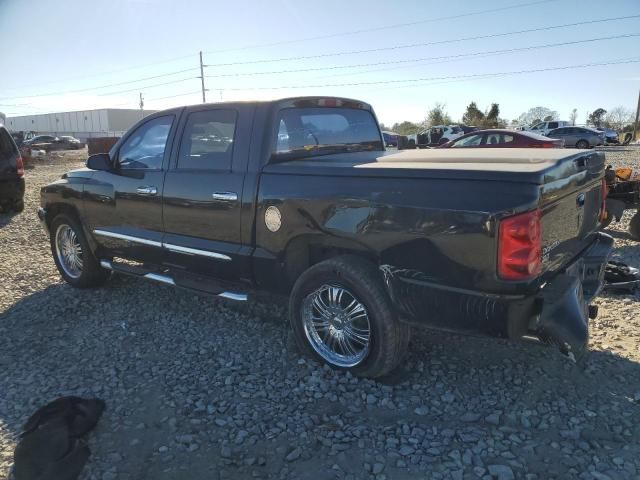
(20, 166)
(520, 246)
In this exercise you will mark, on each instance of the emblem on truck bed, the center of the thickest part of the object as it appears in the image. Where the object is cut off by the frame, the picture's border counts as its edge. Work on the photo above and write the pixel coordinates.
(273, 219)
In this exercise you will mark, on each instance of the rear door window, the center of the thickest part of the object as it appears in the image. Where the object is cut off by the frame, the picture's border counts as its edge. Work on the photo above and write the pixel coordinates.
(207, 141)
(553, 124)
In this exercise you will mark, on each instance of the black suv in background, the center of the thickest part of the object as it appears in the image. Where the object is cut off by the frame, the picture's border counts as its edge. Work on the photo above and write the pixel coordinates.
(11, 174)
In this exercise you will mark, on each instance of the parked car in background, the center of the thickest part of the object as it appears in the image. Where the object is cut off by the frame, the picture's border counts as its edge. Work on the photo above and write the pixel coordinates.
(578, 137)
(41, 140)
(496, 138)
(610, 135)
(436, 135)
(11, 174)
(67, 142)
(543, 128)
(390, 139)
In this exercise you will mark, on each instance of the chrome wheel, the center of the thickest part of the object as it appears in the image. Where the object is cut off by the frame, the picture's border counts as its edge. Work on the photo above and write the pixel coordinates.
(337, 326)
(69, 251)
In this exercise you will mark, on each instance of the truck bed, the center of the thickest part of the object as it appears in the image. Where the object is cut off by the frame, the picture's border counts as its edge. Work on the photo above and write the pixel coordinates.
(523, 165)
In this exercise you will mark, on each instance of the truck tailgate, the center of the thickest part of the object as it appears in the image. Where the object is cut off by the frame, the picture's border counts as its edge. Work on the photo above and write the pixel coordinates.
(571, 199)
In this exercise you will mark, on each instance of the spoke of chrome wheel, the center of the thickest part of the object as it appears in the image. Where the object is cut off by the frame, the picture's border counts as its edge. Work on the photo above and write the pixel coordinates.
(337, 325)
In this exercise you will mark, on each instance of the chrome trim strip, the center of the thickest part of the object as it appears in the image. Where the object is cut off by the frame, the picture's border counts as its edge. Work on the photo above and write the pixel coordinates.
(129, 238)
(106, 264)
(196, 251)
(160, 278)
(240, 297)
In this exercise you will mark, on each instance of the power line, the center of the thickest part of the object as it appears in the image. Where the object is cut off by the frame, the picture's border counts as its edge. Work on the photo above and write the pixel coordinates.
(383, 27)
(413, 60)
(426, 79)
(299, 40)
(174, 96)
(424, 44)
(103, 86)
(146, 86)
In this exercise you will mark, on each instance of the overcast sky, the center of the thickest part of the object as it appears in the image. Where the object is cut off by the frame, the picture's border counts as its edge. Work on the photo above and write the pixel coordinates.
(79, 51)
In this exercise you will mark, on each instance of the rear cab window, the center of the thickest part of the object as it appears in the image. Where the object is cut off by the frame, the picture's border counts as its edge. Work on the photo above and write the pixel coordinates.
(315, 131)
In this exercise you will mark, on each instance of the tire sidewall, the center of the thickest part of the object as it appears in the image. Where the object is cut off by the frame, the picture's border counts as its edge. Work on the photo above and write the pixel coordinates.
(375, 301)
(87, 277)
(582, 143)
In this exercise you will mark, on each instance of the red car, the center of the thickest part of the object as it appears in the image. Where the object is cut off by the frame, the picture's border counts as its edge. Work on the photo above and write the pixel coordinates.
(496, 138)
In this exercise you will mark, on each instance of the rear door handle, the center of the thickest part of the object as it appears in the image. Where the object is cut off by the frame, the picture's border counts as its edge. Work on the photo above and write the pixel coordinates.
(147, 190)
(225, 196)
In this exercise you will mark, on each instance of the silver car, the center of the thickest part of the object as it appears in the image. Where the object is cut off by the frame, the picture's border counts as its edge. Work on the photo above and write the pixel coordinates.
(578, 137)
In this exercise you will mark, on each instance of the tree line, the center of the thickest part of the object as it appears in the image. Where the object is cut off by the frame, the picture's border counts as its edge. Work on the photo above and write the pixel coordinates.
(618, 118)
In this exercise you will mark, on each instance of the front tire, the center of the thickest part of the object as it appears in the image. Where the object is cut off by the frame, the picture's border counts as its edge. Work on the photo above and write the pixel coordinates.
(72, 255)
(341, 314)
(582, 144)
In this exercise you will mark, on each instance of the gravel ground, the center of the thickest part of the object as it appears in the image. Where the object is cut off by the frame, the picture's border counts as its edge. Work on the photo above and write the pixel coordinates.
(201, 389)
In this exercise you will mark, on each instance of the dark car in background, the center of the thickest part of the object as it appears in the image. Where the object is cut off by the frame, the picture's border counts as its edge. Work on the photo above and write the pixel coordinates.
(390, 139)
(11, 174)
(578, 137)
(67, 142)
(496, 138)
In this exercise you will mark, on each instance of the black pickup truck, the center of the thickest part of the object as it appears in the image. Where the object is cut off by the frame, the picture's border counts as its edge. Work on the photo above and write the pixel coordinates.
(298, 197)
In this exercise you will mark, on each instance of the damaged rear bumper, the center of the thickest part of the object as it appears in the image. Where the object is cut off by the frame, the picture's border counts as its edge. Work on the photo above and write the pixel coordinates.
(558, 312)
(564, 301)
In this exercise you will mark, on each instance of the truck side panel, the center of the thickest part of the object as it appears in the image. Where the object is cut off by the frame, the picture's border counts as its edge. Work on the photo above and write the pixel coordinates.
(413, 228)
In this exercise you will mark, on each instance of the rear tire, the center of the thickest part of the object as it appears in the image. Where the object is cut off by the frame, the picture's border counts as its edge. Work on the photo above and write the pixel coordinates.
(582, 144)
(377, 340)
(634, 226)
(73, 256)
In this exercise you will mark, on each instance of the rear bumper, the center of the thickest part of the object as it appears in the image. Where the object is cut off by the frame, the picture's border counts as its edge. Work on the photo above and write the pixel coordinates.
(558, 311)
(564, 301)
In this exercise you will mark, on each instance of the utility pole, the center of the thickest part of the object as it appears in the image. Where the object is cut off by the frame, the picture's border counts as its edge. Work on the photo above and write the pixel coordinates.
(635, 124)
(204, 99)
(141, 105)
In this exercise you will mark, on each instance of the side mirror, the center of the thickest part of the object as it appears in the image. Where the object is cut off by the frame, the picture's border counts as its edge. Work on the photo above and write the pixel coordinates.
(100, 161)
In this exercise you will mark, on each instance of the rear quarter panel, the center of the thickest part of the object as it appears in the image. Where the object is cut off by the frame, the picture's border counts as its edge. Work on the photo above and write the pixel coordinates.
(444, 230)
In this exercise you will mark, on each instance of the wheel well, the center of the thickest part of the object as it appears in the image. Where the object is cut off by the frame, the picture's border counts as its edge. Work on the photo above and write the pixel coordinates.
(56, 209)
(303, 253)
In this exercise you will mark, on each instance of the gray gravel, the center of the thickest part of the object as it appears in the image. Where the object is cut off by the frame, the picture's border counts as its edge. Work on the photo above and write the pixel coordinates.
(201, 389)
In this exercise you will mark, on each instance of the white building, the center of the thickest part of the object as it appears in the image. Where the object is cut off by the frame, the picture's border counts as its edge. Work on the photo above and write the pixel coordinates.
(105, 122)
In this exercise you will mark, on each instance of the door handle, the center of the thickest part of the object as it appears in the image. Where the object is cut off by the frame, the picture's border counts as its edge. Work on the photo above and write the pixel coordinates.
(147, 190)
(225, 196)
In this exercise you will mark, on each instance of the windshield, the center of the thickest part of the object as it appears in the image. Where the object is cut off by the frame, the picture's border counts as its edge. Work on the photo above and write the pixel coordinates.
(322, 131)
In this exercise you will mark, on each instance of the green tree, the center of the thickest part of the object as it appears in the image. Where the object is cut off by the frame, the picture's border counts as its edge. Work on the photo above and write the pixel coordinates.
(492, 117)
(596, 118)
(473, 115)
(438, 116)
(405, 128)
